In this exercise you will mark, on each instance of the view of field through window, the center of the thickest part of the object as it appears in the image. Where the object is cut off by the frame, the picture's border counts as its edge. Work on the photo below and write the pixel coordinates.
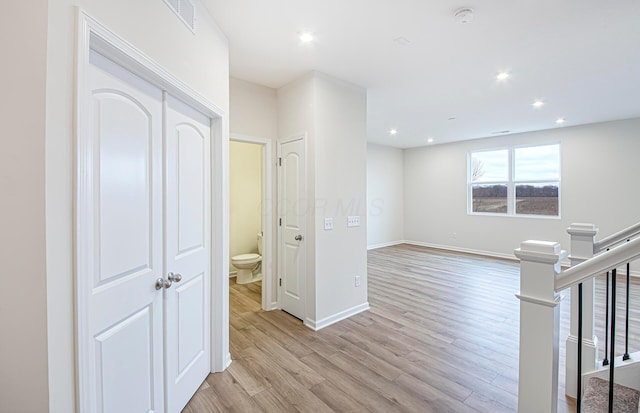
(534, 181)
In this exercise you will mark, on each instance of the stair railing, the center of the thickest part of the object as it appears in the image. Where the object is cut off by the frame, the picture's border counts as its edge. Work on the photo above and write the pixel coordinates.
(540, 283)
(615, 239)
(583, 247)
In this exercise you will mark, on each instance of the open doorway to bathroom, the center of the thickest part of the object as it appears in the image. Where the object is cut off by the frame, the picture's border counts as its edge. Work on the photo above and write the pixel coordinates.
(250, 223)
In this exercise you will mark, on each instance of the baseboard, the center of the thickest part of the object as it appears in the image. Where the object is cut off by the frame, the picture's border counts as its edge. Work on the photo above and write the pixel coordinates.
(491, 254)
(565, 263)
(227, 361)
(273, 306)
(384, 244)
(232, 274)
(327, 321)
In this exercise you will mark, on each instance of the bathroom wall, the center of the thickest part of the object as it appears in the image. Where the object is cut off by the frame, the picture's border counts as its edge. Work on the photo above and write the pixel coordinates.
(245, 220)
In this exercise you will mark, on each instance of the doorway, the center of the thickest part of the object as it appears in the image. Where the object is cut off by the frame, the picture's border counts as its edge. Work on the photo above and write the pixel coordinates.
(243, 232)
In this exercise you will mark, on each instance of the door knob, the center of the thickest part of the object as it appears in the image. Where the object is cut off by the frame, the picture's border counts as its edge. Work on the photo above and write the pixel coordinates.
(176, 278)
(162, 283)
(298, 237)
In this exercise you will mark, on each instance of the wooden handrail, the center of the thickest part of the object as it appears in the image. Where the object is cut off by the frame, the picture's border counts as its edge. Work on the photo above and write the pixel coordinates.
(599, 264)
(616, 238)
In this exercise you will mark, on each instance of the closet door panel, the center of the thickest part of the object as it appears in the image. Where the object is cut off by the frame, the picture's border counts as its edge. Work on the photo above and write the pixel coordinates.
(187, 246)
(120, 218)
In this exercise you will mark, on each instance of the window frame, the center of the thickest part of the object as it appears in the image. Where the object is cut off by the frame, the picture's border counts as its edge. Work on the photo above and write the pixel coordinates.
(511, 183)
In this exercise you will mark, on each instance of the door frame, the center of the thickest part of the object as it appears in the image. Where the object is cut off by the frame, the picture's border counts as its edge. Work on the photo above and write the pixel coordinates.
(91, 34)
(280, 141)
(268, 303)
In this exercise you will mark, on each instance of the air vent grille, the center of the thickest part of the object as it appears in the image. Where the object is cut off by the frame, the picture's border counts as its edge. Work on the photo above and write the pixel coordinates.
(185, 10)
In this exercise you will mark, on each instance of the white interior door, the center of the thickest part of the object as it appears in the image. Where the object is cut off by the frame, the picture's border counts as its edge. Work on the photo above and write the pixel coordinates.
(292, 209)
(187, 305)
(120, 227)
(144, 264)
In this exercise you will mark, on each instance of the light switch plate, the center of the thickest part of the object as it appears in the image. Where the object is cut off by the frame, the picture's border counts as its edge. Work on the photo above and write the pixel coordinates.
(353, 221)
(328, 224)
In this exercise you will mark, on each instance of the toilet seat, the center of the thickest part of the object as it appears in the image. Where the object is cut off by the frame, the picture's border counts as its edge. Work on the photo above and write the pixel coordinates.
(246, 258)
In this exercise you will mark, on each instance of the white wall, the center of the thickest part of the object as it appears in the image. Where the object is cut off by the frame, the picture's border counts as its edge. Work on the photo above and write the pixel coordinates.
(200, 60)
(341, 181)
(245, 198)
(296, 117)
(599, 185)
(254, 109)
(24, 383)
(385, 196)
(254, 113)
(332, 114)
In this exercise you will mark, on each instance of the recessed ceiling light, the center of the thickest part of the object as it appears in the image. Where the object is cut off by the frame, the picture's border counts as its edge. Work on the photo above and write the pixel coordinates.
(306, 37)
(560, 121)
(502, 76)
(537, 104)
(393, 132)
(430, 140)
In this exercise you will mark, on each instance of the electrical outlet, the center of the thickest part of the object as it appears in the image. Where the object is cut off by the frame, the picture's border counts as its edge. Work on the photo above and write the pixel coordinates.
(328, 224)
(358, 281)
(353, 221)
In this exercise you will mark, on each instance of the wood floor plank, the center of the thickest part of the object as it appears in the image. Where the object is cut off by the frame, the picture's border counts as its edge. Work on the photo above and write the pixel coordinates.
(434, 398)
(272, 350)
(205, 400)
(271, 401)
(362, 393)
(231, 394)
(249, 375)
(335, 398)
(442, 335)
(391, 390)
(287, 386)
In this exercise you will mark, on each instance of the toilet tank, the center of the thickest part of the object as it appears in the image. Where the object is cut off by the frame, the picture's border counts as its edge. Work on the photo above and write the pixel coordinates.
(260, 243)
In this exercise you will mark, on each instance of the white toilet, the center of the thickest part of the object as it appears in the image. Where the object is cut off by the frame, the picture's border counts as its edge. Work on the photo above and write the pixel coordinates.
(248, 265)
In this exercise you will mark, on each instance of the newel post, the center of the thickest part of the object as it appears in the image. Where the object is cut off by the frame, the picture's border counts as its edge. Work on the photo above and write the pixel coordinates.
(539, 326)
(582, 240)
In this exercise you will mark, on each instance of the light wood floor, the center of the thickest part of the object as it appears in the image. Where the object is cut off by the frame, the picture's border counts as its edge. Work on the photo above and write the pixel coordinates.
(441, 336)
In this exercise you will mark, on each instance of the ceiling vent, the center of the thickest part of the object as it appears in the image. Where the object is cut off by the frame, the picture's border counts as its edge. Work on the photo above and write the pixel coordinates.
(463, 15)
(185, 10)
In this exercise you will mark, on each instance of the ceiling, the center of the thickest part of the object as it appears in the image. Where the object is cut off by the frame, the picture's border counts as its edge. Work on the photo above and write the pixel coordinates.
(581, 57)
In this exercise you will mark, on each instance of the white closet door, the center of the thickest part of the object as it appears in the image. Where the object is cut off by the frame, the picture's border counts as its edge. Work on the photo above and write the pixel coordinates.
(187, 252)
(120, 185)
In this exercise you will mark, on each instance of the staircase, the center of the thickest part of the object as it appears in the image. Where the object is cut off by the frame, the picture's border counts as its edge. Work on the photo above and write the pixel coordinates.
(611, 385)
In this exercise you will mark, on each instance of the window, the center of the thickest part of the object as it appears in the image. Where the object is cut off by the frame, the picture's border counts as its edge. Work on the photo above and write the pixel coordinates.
(515, 181)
